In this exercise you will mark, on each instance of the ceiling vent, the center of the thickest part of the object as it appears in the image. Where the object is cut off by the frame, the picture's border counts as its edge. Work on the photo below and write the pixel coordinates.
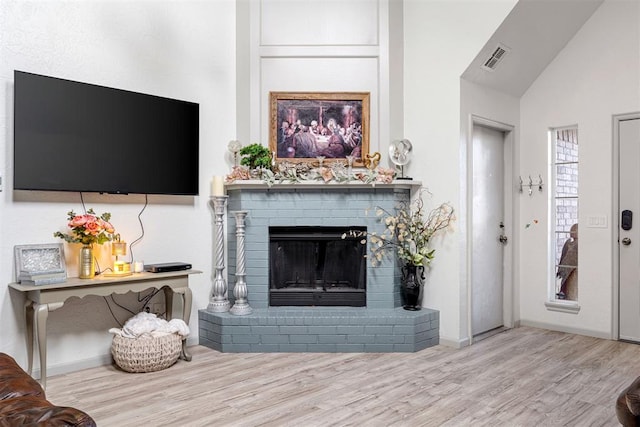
(495, 58)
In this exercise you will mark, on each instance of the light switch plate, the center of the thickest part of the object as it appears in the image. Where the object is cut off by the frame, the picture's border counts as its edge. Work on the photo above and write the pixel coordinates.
(597, 221)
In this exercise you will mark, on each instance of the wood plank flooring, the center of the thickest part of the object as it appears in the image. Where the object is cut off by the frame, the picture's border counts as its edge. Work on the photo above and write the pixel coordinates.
(520, 377)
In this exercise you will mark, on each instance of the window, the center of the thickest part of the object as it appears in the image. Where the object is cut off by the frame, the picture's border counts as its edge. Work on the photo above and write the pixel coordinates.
(564, 210)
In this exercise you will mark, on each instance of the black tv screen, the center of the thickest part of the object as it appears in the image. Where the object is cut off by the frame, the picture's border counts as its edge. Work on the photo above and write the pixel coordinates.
(73, 136)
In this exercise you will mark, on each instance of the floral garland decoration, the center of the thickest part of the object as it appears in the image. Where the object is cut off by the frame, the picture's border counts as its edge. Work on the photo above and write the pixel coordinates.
(289, 172)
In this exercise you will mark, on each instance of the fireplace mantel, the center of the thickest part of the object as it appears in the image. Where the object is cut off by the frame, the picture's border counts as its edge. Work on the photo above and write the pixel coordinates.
(315, 185)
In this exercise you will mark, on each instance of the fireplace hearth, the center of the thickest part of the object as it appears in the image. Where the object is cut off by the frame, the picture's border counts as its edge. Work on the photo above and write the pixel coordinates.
(316, 266)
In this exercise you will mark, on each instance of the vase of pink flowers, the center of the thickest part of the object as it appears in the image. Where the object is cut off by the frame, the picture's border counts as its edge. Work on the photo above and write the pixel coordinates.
(87, 229)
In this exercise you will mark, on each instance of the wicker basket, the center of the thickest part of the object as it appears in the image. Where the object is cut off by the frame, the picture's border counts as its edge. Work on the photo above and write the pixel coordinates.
(146, 354)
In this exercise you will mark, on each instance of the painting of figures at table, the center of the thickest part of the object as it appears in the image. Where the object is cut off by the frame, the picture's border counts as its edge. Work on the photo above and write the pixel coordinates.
(307, 125)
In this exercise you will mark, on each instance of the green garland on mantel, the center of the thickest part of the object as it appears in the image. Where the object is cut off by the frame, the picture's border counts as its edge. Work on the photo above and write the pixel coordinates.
(292, 173)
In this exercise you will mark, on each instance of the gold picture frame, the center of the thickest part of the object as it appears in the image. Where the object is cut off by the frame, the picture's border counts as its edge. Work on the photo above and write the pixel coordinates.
(331, 125)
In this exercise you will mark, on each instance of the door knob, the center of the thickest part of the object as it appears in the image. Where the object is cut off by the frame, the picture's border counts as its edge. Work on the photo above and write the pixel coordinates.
(502, 238)
(626, 241)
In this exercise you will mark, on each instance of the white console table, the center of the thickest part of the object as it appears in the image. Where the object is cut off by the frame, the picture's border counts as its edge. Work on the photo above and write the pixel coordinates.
(42, 299)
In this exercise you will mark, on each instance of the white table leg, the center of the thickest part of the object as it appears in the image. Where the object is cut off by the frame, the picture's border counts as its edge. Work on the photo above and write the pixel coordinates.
(41, 313)
(29, 322)
(186, 307)
(168, 302)
(185, 293)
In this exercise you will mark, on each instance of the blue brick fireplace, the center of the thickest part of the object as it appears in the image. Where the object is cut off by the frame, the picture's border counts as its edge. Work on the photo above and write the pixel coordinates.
(380, 326)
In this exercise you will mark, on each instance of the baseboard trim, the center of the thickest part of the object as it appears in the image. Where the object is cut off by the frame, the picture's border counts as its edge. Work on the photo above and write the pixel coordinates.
(567, 329)
(76, 365)
(454, 343)
(92, 362)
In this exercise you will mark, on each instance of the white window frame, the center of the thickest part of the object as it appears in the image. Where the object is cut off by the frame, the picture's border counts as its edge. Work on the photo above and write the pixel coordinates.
(552, 303)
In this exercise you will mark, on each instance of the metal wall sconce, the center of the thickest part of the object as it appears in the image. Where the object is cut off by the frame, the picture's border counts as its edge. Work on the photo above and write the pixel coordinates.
(530, 185)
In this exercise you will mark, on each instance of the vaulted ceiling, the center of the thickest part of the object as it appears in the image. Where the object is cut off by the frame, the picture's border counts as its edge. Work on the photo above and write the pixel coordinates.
(533, 33)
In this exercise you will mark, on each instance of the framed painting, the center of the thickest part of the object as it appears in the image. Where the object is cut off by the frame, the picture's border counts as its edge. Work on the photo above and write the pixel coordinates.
(305, 126)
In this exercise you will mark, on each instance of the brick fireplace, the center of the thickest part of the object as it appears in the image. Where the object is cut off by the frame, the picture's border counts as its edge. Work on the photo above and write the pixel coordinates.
(378, 325)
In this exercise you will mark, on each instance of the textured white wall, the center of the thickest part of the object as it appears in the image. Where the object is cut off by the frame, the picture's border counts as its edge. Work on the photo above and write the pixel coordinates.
(319, 46)
(184, 50)
(593, 78)
(318, 22)
(441, 40)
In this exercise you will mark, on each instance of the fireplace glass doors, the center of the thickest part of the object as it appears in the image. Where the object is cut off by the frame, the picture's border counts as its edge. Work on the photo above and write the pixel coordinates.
(316, 266)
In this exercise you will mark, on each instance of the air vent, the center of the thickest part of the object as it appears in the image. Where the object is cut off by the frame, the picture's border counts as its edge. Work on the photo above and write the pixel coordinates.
(496, 56)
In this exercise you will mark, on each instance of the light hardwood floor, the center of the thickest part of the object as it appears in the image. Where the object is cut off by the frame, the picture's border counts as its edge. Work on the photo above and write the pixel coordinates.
(520, 377)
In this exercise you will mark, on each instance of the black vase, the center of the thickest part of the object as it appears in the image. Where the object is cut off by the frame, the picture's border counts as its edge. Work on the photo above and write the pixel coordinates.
(411, 285)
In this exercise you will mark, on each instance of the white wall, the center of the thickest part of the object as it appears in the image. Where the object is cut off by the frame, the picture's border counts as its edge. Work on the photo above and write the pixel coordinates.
(441, 40)
(183, 50)
(593, 78)
(315, 46)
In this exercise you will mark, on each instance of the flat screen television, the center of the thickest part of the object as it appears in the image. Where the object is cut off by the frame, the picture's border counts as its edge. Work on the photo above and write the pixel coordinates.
(73, 136)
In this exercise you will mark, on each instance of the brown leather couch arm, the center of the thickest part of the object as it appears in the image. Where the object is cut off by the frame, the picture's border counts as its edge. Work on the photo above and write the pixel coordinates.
(16, 382)
(628, 405)
(23, 401)
(33, 410)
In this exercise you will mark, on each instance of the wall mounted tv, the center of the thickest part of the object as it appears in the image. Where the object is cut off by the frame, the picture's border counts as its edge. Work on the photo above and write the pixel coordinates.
(72, 136)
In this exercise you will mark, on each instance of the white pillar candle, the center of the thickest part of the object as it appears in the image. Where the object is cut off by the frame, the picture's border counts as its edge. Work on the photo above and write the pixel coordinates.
(217, 186)
(138, 266)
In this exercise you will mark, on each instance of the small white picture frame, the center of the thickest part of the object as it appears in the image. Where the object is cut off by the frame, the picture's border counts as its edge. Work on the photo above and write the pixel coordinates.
(45, 260)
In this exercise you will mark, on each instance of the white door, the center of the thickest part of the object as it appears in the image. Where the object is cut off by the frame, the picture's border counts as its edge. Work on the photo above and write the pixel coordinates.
(629, 229)
(487, 224)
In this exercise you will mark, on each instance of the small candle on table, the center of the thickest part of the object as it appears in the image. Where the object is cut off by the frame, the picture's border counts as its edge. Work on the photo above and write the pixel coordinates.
(217, 186)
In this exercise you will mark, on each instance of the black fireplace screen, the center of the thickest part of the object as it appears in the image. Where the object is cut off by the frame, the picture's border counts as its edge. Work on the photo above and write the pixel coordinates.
(311, 266)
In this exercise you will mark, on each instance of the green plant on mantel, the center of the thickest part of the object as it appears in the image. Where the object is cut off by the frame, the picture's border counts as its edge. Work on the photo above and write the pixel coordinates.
(255, 156)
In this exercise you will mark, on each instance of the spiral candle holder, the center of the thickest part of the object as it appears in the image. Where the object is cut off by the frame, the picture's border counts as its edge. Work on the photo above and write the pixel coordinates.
(219, 302)
(241, 305)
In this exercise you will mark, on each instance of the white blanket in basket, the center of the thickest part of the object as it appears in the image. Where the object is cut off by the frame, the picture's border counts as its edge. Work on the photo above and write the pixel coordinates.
(151, 325)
